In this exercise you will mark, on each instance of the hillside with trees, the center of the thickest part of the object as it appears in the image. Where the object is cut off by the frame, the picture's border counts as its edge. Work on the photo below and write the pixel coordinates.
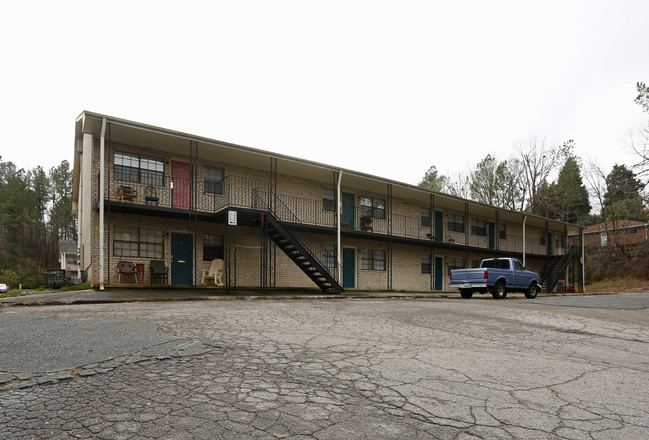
(35, 213)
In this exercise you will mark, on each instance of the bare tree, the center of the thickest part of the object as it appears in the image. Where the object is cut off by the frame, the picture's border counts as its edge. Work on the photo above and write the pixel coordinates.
(639, 144)
(538, 159)
(459, 185)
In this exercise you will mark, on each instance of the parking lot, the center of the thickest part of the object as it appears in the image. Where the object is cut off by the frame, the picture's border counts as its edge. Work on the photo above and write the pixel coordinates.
(328, 369)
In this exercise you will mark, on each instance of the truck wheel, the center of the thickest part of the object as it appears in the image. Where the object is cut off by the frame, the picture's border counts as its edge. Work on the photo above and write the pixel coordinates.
(466, 293)
(500, 291)
(532, 291)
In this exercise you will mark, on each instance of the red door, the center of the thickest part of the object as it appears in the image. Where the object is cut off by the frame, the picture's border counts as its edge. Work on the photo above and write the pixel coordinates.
(182, 185)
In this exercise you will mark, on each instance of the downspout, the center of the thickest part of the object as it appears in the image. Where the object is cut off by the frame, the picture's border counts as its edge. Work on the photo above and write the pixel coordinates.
(524, 240)
(101, 203)
(338, 220)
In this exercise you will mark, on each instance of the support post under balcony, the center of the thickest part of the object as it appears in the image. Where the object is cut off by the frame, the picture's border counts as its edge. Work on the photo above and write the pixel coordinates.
(101, 202)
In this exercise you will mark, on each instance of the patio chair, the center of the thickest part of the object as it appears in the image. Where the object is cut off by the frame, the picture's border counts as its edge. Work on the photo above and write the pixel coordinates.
(151, 195)
(158, 269)
(126, 267)
(214, 273)
(127, 193)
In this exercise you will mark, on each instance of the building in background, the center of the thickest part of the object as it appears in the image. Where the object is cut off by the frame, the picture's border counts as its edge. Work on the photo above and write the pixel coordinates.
(69, 259)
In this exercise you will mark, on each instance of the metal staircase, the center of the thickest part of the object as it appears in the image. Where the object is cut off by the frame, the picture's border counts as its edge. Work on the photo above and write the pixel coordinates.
(554, 269)
(300, 255)
(279, 231)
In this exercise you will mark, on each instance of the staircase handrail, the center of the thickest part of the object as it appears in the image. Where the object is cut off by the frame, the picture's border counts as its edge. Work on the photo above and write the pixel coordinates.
(271, 208)
(558, 266)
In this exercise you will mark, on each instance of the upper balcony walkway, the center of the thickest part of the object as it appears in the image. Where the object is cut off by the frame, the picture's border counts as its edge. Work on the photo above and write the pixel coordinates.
(178, 197)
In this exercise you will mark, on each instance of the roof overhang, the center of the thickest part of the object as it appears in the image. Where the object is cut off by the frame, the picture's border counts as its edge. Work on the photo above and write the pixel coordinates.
(125, 132)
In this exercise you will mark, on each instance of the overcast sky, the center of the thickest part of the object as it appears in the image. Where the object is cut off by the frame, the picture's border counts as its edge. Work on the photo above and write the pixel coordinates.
(387, 88)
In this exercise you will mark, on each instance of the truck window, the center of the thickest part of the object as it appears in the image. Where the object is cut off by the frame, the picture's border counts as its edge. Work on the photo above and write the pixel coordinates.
(518, 265)
(495, 264)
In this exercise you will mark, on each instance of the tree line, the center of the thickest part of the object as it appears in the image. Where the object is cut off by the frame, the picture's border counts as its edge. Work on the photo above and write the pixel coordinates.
(551, 181)
(35, 213)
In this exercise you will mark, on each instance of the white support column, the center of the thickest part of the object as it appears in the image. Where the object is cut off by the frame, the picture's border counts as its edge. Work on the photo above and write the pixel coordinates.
(101, 203)
(338, 221)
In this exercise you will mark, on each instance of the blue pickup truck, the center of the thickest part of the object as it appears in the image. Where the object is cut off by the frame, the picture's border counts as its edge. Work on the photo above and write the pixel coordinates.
(498, 276)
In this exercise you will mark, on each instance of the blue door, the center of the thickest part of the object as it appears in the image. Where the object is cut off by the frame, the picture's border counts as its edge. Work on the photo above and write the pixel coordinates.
(349, 211)
(182, 263)
(492, 235)
(439, 226)
(349, 268)
(439, 273)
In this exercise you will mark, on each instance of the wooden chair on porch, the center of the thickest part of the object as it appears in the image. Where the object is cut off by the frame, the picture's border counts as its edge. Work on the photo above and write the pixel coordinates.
(214, 273)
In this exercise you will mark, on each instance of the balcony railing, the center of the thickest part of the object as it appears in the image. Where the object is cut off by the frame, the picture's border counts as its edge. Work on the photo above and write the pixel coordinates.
(251, 193)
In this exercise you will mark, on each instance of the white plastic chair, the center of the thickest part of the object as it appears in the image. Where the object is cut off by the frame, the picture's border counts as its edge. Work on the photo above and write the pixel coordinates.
(214, 273)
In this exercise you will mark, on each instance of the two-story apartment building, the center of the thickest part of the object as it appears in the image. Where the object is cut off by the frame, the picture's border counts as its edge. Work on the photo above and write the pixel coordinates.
(144, 193)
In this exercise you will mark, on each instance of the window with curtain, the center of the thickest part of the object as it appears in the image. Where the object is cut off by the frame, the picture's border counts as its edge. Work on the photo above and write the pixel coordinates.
(134, 168)
(213, 180)
(212, 247)
(138, 242)
(373, 207)
(455, 223)
(372, 259)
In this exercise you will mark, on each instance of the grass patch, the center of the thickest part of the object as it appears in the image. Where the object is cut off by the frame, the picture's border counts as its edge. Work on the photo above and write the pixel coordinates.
(23, 292)
(83, 286)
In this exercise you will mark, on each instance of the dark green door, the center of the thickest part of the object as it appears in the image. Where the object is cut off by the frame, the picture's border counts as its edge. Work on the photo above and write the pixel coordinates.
(182, 263)
(349, 268)
(492, 235)
(439, 226)
(349, 211)
(549, 243)
(439, 273)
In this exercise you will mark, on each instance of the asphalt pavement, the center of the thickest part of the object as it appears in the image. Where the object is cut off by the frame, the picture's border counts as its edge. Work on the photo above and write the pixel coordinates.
(361, 368)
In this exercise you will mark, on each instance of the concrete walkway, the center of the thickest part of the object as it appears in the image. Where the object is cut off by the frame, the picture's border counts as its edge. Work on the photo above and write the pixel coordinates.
(116, 295)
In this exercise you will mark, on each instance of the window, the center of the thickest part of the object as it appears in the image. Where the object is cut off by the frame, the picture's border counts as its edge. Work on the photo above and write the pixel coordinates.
(213, 180)
(633, 231)
(603, 239)
(425, 264)
(372, 259)
(425, 218)
(138, 242)
(328, 256)
(502, 231)
(478, 227)
(495, 264)
(558, 241)
(455, 263)
(139, 169)
(455, 223)
(518, 266)
(212, 247)
(328, 200)
(373, 207)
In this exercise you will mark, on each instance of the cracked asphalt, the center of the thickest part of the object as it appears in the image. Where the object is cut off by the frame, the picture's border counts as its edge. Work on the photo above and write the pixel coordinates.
(326, 369)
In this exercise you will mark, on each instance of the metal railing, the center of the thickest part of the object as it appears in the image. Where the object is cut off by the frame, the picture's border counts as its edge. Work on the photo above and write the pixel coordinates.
(253, 193)
(317, 250)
